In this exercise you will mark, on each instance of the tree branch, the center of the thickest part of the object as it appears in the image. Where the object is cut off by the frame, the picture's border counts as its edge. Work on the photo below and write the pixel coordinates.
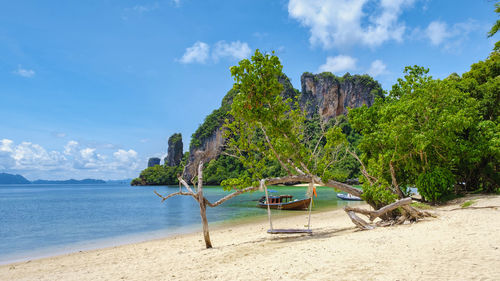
(274, 151)
(229, 196)
(363, 168)
(185, 184)
(163, 198)
(394, 181)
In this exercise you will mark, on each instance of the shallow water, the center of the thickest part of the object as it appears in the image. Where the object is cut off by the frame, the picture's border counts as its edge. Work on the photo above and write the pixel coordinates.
(43, 220)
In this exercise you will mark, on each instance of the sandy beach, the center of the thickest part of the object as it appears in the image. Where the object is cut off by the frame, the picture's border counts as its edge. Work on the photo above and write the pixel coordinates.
(460, 244)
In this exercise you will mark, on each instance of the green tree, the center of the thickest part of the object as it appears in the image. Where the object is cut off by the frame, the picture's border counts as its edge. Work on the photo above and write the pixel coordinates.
(427, 133)
(495, 27)
(264, 126)
(478, 168)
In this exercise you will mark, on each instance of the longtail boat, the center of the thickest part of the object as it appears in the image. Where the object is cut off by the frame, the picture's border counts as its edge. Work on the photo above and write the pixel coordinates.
(284, 202)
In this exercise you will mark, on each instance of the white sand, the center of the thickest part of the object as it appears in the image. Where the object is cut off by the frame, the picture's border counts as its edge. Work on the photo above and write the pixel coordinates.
(458, 245)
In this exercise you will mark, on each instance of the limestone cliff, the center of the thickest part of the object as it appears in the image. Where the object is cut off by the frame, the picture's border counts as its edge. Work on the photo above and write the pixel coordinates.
(174, 154)
(153, 161)
(330, 95)
(324, 93)
(208, 140)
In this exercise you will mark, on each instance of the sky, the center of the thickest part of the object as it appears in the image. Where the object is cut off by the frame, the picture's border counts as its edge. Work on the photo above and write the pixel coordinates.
(92, 89)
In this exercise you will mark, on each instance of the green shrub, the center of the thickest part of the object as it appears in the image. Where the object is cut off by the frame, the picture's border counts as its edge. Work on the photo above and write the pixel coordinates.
(378, 195)
(436, 184)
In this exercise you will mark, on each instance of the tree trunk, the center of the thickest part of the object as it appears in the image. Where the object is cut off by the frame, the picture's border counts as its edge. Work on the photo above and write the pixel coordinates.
(203, 207)
(203, 214)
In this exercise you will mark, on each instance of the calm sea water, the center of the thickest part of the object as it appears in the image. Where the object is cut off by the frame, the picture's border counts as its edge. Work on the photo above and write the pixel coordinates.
(43, 220)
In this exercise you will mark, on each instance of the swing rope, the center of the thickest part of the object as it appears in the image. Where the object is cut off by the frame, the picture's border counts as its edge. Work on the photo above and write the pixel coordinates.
(287, 231)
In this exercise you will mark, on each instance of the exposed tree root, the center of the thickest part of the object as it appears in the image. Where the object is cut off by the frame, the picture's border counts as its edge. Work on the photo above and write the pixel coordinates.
(408, 213)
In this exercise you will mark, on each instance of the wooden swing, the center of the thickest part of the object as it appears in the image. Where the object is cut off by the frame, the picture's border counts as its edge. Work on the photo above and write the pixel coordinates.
(287, 230)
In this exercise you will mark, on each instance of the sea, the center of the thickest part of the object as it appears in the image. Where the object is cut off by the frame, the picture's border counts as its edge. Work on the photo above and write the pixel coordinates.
(50, 219)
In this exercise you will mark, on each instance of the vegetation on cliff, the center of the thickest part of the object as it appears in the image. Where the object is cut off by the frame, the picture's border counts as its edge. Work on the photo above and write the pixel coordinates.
(175, 147)
(212, 122)
(161, 174)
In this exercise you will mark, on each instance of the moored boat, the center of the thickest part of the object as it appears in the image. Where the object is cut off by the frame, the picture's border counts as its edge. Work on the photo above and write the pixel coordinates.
(348, 197)
(284, 202)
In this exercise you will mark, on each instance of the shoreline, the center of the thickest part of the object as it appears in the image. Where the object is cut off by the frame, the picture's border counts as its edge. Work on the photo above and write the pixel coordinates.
(158, 222)
(141, 237)
(459, 244)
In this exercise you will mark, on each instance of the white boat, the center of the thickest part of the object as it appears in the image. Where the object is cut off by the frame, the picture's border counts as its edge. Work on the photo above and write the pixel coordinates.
(348, 197)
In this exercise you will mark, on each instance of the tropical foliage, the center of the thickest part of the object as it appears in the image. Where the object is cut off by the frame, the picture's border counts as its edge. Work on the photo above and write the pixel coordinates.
(439, 135)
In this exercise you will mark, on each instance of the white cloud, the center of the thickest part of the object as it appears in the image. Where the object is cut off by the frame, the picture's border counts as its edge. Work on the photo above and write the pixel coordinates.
(28, 155)
(70, 147)
(6, 149)
(177, 3)
(437, 32)
(236, 49)
(377, 68)
(6, 145)
(346, 22)
(88, 153)
(338, 64)
(199, 53)
(126, 159)
(72, 161)
(125, 156)
(449, 37)
(28, 73)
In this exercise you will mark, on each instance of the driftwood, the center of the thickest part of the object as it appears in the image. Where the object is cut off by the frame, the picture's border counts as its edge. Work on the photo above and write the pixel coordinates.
(408, 213)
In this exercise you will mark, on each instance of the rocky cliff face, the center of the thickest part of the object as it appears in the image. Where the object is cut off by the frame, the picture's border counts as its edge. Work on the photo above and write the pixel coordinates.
(329, 95)
(174, 154)
(153, 161)
(324, 93)
(210, 148)
(208, 141)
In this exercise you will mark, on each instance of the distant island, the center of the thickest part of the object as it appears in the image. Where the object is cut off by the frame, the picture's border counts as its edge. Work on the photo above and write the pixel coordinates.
(12, 179)
(19, 179)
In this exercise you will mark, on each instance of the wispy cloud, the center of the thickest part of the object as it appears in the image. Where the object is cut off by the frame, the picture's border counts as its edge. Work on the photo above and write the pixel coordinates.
(237, 50)
(338, 64)
(334, 23)
(448, 37)
(260, 35)
(139, 10)
(177, 3)
(28, 73)
(377, 68)
(201, 52)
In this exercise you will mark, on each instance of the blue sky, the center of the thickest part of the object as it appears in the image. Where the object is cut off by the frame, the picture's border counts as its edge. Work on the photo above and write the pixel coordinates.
(95, 88)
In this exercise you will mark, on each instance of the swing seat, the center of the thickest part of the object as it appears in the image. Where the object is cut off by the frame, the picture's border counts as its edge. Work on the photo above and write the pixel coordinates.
(289, 231)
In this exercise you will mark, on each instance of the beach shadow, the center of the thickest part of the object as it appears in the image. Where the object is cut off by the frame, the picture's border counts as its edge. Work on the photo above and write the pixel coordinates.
(317, 234)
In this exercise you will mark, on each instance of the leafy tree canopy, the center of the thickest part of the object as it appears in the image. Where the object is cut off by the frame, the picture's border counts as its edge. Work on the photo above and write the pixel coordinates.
(264, 127)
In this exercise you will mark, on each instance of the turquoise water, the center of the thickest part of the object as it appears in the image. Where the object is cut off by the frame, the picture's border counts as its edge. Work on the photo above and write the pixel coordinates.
(43, 220)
